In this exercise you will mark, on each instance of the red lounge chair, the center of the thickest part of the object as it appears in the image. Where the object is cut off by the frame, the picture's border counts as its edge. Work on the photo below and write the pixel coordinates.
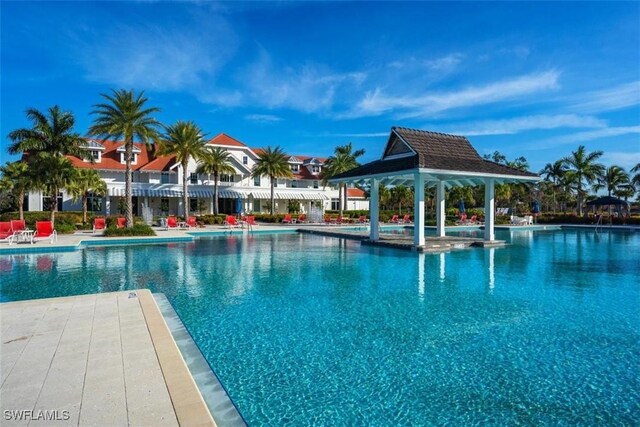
(44, 231)
(99, 224)
(463, 219)
(231, 222)
(6, 233)
(251, 220)
(406, 220)
(287, 219)
(363, 219)
(172, 222)
(121, 222)
(394, 219)
(473, 219)
(302, 218)
(191, 222)
(18, 226)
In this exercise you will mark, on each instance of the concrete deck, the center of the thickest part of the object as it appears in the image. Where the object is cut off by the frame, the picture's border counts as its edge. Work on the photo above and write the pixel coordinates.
(105, 359)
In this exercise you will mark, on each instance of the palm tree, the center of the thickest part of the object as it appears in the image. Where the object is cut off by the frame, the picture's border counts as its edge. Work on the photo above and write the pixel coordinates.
(52, 134)
(215, 161)
(272, 162)
(84, 182)
(554, 172)
(52, 174)
(125, 115)
(636, 178)
(585, 168)
(17, 180)
(185, 141)
(612, 178)
(343, 160)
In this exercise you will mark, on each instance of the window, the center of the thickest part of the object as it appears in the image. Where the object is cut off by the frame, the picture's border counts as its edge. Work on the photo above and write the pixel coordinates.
(335, 204)
(245, 160)
(46, 202)
(315, 169)
(226, 178)
(275, 182)
(315, 184)
(294, 184)
(164, 205)
(164, 178)
(94, 203)
(295, 168)
(193, 178)
(134, 159)
(193, 205)
(256, 181)
(93, 154)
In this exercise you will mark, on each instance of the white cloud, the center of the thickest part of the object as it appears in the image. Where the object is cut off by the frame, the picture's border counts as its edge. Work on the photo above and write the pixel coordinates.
(445, 63)
(615, 98)
(591, 135)
(627, 160)
(376, 102)
(263, 118)
(519, 124)
(158, 57)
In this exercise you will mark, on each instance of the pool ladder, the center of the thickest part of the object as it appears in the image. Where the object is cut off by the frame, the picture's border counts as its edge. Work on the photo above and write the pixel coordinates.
(599, 223)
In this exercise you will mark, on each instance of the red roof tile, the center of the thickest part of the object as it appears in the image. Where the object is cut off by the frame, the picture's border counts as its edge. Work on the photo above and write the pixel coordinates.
(111, 159)
(355, 192)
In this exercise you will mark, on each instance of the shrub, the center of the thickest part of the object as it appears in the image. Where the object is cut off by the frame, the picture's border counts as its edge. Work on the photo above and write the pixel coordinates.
(139, 229)
(65, 228)
(211, 219)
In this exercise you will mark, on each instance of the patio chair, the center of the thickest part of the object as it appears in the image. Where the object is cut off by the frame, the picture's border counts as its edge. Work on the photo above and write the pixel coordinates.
(473, 220)
(302, 218)
(363, 219)
(191, 222)
(407, 220)
(45, 231)
(6, 233)
(18, 226)
(287, 219)
(231, 222)
(99, 224)
(172, 222)
(462, 220)
(121, 222)
(394, 219)
(251, 220)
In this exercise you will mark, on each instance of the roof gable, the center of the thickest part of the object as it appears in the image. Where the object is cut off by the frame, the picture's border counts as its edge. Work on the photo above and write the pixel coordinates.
(226, 140)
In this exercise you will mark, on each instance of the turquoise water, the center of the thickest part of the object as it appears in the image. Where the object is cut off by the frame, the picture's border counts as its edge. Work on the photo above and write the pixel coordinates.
(316, 330)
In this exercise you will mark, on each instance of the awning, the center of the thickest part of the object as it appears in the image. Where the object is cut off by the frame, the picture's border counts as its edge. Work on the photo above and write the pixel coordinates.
(158, 192)
(290, 195)
(228, 193)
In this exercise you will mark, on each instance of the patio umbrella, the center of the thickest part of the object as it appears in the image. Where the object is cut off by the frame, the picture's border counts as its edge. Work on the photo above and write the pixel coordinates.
(461, 206)
(238, 205)
(606, 201)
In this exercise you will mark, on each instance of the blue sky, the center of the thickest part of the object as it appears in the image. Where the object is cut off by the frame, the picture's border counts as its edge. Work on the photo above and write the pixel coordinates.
(527, 79)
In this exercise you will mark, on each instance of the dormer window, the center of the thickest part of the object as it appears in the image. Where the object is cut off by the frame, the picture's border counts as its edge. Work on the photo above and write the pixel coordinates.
(315, 169)
(93, 154)
(134, 157)
(94, 151)
(295, 168)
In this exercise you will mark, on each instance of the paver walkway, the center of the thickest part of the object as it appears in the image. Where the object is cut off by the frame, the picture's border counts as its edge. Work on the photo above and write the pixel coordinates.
(84, 360)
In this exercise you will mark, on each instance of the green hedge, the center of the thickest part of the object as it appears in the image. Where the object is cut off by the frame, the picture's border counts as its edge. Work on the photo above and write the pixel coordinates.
(137, 230)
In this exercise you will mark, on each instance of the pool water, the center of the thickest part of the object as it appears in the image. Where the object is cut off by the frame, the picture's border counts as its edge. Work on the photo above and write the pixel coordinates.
(312, 330)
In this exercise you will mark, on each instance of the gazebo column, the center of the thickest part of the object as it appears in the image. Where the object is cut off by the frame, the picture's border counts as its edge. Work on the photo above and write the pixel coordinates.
(440, 211)
(489, 209)
(418, 210)
(374, 210)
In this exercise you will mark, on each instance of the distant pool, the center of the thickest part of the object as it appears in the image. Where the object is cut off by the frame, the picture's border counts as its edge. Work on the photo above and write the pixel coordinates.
(305, 329)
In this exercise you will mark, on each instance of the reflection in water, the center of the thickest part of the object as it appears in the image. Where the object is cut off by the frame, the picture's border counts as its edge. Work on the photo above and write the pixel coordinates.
(421, 261)
(492, 273)
(442, 267)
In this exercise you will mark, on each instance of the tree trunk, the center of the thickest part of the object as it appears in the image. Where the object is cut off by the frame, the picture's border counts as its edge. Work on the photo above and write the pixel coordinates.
(54, 205)
(215, 193)
(185, 195)
(21, 204)
(84, 208)
(127, 183)
(272, 195)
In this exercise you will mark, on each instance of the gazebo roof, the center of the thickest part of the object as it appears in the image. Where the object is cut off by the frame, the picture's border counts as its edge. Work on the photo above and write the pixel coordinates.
(438, 155)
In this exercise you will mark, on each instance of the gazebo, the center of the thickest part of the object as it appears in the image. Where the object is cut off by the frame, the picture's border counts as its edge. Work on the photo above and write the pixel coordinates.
(431, 159)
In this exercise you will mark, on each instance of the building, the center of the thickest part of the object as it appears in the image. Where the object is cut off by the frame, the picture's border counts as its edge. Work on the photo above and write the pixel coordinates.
(157, 183)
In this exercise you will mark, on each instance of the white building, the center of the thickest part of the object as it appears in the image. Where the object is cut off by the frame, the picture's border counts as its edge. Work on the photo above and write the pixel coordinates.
(157, 183)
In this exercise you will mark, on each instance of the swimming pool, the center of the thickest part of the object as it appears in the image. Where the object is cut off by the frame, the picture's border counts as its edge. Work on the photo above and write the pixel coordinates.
(305, 329)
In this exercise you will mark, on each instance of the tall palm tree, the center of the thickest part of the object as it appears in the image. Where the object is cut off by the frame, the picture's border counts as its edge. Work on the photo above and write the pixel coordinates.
(17, 180)
(184, 140)
(636, 178)
(272, 162)
(52, 134)
(216, 161)
(125, 115)
(585, 168)
(612, 178)
(85, 182)
(554, 172)
(343, 160)
(52, 174)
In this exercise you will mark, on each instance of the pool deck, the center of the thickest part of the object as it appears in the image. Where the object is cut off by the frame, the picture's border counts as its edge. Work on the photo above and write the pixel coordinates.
(102, 359)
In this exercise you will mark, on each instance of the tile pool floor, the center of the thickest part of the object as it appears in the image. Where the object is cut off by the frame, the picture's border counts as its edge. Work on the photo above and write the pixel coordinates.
(101, 359)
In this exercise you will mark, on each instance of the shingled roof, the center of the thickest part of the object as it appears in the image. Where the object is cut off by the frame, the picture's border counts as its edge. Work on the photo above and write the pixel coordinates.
(409, 149)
